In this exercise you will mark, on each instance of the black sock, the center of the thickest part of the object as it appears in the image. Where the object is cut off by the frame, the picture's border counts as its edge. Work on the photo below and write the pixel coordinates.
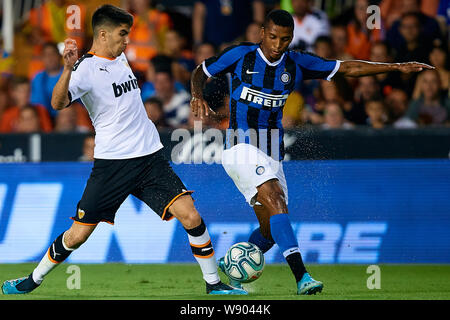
(27, 284)
(57, 252)
(296, 264)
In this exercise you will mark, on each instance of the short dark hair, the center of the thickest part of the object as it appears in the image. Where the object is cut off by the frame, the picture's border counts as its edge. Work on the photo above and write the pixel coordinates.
(280, 18)
(325, 39)
(162, 64)
(164, 70)
(376, 99)
(386, 45)
(52, 45)
(415, 15)
(205, 43)
(155, 100)
(111, 16)
(19, 80)
(32, 109)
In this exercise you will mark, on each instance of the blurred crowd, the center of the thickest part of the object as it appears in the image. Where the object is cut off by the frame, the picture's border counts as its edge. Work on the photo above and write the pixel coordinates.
(168, 42)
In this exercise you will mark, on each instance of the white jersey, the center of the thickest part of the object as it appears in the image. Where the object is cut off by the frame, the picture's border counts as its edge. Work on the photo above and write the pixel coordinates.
(306, 32)
(110, 93)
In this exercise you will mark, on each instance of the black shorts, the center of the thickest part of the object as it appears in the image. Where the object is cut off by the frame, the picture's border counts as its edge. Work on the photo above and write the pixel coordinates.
(149, 178)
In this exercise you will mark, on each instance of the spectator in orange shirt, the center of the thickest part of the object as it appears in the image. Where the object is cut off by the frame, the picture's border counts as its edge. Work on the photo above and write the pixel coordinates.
(28, 120)
(52, 22)
(147, 35)
(339, 38)
(360, 38)
(21, 98)
(68, 120)
(4, 101)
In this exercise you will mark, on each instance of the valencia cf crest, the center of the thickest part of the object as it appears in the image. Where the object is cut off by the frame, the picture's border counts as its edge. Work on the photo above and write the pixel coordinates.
(81, 214)
(285, 77)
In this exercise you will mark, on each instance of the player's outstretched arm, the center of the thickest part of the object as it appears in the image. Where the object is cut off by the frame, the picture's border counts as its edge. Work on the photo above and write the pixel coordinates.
(60, 97)
(359, 68)
(199, 106)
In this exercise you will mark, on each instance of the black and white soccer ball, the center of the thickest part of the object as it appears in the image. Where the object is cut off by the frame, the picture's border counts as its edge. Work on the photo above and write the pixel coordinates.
(244, 262)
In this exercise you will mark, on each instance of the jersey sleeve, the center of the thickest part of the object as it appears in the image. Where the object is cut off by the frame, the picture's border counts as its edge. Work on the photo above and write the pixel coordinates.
(315, 67)
(80, 81)
(225, 62)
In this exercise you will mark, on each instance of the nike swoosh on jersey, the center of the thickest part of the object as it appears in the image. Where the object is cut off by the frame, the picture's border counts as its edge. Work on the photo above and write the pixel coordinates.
(251, 72)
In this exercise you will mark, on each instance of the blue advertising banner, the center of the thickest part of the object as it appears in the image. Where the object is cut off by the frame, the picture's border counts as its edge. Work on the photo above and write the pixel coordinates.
(343, 211)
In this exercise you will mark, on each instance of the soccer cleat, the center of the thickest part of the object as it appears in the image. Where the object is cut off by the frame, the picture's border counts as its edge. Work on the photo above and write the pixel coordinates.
(308, 286)
(222, 288)
(233, 283)
(19, 286)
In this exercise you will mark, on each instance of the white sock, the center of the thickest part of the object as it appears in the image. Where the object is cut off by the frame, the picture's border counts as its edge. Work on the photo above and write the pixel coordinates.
(204, 253)
(43, 268)
(46, 264)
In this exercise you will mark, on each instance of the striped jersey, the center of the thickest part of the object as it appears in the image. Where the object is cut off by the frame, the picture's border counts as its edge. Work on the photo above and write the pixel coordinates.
(259, 89)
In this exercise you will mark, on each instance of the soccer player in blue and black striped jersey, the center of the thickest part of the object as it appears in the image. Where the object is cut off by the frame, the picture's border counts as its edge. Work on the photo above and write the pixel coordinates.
(262, 77)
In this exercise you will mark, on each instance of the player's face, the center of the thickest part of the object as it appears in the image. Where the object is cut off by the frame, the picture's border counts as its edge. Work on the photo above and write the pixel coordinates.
(117, 39)
(275, 40)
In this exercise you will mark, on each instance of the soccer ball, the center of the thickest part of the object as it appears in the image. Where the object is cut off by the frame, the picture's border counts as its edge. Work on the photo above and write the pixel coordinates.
(244, 262)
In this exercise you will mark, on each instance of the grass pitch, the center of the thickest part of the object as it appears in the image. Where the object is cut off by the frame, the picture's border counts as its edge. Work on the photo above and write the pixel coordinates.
(184, 282)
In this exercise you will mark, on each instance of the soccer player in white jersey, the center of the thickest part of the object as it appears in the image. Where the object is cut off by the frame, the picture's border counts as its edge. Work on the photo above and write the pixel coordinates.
(262, 76)
(128, 156)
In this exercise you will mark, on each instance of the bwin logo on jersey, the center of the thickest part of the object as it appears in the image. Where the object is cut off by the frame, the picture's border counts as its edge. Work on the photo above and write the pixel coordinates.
(124, 87)
(264, 99)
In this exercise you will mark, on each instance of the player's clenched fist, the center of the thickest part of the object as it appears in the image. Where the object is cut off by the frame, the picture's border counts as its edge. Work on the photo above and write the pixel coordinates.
(200, 108)
(70, 53)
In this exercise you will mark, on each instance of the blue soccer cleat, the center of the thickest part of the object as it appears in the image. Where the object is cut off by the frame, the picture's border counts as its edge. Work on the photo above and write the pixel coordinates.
(233, 283)
(19, 286)
(308, 286)
(221, 288)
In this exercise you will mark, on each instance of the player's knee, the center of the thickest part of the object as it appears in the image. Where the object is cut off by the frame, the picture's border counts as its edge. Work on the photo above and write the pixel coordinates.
(184, 210)
(190, 219)
(274, 200)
